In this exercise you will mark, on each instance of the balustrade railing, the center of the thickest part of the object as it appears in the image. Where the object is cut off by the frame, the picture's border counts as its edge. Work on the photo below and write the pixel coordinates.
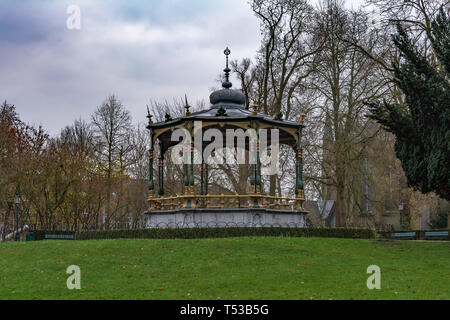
(223, 201)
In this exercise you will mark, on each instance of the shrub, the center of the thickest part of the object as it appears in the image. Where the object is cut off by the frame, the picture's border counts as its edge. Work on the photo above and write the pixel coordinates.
(223, 232)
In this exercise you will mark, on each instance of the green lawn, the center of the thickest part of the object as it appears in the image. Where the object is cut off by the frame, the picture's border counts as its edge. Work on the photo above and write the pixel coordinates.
(230, 268)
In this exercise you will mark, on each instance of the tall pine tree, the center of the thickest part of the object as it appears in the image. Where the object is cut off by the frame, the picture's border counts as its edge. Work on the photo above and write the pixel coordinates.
(422, 124)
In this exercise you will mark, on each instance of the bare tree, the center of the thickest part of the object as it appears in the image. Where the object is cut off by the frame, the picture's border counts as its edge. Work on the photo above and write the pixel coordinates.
(112, 124)
(345, 79)
(289, 54)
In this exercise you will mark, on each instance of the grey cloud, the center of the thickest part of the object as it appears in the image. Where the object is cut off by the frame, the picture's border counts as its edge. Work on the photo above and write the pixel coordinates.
(54, 75)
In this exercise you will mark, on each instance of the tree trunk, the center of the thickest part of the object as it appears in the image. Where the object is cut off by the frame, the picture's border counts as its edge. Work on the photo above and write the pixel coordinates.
(340, 200)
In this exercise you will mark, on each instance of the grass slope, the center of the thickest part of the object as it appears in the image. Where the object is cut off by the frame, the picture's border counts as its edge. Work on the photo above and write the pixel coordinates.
(230, 268)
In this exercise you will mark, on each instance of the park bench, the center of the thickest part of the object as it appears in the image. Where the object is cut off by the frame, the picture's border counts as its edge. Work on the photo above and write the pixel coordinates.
(404, 235)
(59, 236)
(436, 235)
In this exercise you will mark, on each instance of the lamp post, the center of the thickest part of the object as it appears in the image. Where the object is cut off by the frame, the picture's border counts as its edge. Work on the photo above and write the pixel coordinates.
(16, 202)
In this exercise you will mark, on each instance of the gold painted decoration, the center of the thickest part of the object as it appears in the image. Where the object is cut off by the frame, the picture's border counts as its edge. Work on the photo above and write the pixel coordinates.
(149, 116)
(187, 106)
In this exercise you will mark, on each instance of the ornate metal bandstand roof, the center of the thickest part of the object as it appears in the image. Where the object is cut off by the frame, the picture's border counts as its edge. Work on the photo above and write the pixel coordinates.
(227, 111)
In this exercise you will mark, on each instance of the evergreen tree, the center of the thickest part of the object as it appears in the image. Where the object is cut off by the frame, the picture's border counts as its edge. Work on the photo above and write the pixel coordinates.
(422, 124)
(439, 218)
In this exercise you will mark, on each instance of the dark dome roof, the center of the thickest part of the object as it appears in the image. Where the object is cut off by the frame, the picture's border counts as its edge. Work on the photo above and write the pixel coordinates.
(227, 96)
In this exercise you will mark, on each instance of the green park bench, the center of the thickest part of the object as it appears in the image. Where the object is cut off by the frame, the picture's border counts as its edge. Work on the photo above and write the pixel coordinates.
(59, 236)
(404, 235)
(436, 235)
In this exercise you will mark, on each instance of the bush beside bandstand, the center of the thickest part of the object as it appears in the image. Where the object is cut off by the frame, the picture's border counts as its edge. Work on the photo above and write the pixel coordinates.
(219, 232)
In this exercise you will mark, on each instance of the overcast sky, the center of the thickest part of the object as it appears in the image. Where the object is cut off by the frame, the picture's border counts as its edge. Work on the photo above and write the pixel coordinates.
(138, 50)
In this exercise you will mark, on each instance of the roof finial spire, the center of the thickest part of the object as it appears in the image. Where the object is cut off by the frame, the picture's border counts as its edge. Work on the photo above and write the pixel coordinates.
(302, 117)
(187, 106)
(227, 84)
(149, 116)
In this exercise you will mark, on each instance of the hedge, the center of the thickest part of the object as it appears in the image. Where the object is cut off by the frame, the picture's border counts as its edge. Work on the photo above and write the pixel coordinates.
(219, 232)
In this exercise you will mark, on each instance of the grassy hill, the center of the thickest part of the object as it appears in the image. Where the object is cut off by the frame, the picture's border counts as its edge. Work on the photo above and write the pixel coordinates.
(230, 268)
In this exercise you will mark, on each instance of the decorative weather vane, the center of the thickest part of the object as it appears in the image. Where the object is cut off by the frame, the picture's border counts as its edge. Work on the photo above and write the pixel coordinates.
(227, 84)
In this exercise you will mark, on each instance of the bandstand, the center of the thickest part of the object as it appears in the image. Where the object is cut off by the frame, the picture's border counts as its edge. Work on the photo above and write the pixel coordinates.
(196, 206)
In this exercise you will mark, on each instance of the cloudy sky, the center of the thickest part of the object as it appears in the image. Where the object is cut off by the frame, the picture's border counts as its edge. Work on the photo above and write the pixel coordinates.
(138, 50)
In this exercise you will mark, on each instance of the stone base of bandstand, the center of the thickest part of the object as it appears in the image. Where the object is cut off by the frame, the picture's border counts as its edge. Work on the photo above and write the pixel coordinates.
(212, 218)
